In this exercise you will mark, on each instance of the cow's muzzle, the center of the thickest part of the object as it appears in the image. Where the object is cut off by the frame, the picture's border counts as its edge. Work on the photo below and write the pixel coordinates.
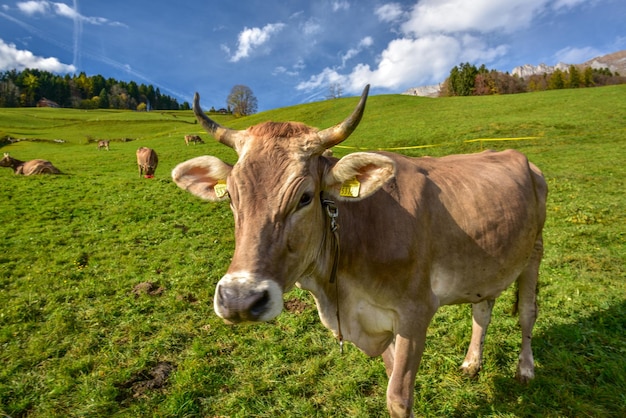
(241, 298)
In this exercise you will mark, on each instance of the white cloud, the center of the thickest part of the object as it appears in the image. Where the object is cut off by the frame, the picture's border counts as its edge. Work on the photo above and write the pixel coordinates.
(352, 52)
(311, 27)
(64, 10)
(389, 12)
(321, 80)
(284, 71)
(295, 69)
(409, 60)
(558, 4)
(571, 55)
(252, 38)
(340, 5)
(483, 16)
(33, 7)
(299, 65)
(13, 58)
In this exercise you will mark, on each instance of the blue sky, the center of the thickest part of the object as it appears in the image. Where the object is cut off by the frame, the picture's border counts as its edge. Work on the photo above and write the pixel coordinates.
(289, 52)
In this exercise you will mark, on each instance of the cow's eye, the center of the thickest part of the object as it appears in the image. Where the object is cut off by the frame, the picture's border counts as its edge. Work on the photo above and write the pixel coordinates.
(305, 200)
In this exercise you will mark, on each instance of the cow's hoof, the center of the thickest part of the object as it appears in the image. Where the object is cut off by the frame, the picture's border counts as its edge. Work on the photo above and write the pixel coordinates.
(470, 369)
(524, 374)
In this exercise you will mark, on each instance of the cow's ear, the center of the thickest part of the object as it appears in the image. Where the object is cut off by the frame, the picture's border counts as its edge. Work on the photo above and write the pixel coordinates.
(358, 175)
(203, 176)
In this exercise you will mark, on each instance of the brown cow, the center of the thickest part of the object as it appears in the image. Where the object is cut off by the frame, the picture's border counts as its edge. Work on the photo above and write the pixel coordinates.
(103, 144)
(28, 167)
(193, 138)
(380, 239)
(147, 160)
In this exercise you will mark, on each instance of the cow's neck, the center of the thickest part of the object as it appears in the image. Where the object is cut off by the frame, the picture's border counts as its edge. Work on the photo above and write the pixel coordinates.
(318, 278)
(15, 164)
(361, 319)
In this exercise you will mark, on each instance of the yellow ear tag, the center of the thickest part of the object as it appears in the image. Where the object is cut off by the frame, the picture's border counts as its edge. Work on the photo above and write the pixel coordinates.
(350, 188)
(220, 188)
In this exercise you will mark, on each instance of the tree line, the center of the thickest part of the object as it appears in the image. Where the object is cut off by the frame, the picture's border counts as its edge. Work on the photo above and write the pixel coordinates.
(467, 80)
(29, 87)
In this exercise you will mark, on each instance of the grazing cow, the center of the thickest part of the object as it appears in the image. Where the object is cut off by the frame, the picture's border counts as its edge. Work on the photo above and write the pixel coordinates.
(381, 240)
(103, 144)
(147, 160)
(193, 138)
(28, 167)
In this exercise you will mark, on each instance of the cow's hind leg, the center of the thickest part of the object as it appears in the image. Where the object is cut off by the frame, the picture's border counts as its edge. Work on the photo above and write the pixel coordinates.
(527, 305)
(481, 316)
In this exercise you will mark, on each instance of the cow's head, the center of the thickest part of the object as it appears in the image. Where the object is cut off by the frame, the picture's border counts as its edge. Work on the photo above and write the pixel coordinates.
(6, 160)
(275, 191)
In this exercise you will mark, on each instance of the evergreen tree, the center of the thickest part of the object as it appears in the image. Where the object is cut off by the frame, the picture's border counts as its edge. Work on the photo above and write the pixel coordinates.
(557, 80)
(588, 77)
(574, 77)
(104, 99)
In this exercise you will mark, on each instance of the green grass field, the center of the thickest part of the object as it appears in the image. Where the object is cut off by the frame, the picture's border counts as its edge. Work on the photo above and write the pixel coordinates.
(83, 333)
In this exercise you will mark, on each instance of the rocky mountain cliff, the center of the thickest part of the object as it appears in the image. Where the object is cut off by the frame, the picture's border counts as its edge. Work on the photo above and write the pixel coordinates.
(527, 70)
(616, 62)
(424, 91)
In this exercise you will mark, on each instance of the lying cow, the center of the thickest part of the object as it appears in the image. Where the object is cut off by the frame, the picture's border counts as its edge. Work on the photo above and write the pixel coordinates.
(380, 239)
(193, 138)
(28, 168)
(147, 161)
(104, 144)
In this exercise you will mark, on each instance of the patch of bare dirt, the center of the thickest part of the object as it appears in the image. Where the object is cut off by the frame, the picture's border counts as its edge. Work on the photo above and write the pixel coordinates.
(296, 306)
(189, 298)
(148, 288)
(145, 380)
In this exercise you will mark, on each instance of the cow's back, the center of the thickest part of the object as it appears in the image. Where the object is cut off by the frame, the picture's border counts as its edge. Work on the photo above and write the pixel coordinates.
(38, 167)
(469, 222)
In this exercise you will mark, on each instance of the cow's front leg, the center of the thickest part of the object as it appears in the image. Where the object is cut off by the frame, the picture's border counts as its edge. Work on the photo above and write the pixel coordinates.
(388, 358)
(481, 316)
(402, 359)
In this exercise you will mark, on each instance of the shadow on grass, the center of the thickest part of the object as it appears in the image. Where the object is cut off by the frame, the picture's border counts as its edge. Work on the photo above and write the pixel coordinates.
(580, 372)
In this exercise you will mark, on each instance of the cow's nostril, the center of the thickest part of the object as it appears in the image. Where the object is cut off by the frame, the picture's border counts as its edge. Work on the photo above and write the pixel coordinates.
(260, 304)
(224, 294)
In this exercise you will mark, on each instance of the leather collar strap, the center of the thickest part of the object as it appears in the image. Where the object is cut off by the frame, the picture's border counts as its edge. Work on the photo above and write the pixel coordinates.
(333, 212)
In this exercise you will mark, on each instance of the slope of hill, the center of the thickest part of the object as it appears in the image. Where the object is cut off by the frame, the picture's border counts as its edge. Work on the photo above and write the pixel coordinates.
(107, 279)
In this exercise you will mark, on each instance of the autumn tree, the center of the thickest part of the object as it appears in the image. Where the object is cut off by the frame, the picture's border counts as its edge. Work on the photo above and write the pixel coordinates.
(242, 101)
(31, 82)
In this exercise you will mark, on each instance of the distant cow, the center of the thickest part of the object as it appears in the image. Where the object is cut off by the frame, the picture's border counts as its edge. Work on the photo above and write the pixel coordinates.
(147, 161)
(103, 144)
(193, 138)
(28, 167)
(414, 234)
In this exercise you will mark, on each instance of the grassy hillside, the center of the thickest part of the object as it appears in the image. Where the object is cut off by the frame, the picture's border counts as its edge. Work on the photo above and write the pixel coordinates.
(83, 333)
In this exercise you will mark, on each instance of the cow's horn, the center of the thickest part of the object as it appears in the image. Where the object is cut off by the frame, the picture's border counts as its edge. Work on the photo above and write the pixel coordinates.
(334, 135)
(224, 135)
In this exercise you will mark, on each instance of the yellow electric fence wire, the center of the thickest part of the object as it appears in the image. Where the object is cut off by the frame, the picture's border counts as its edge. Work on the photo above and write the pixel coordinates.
(481, 140)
